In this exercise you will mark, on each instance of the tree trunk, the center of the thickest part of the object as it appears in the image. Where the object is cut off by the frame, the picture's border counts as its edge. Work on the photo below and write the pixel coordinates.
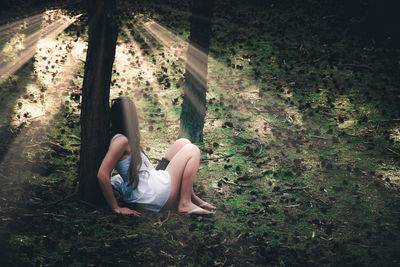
(194, 99)
(95, 99)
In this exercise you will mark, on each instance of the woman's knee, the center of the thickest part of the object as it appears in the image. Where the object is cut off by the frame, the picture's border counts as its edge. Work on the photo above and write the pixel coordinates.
(176, 147)
(182, 141)
(178, 162)
(192, 149)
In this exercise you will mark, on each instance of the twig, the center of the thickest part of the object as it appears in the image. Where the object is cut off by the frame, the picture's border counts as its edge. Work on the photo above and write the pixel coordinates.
(360, 245)
(222, 157)
(47, 142)
(61, 200)
(351, 135)
(313, 197)
(43, 214)
(292, 206)
(319, 137)
(169, 212)
(75, 137)
(57, 145)
(160, 223)
(390, 120)
(86, 203)
(243, 185)
(354, 65)
(32, 145)
(36, 117)
(394, 152)
(280, 127)
(294, 188)
(226, 182)
(166, 254)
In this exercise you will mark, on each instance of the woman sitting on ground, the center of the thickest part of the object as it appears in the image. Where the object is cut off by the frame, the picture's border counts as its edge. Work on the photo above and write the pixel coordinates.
(139, 182)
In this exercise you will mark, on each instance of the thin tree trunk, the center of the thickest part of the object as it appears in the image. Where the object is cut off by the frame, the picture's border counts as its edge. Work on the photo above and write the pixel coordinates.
(95, 98)
(194, 100)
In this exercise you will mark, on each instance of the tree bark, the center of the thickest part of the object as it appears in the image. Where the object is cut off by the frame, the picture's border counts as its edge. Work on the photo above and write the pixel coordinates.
(194, 99)
(95, 96)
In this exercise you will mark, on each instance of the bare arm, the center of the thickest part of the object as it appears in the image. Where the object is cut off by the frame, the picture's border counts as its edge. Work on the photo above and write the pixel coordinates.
(117, 148)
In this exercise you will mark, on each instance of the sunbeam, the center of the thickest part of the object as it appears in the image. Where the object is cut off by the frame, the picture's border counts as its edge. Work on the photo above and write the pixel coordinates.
(23, 44)
(134, 58)
(169, 40)
(55, 66)
(178, 47)
(21, 23)
(246, 98)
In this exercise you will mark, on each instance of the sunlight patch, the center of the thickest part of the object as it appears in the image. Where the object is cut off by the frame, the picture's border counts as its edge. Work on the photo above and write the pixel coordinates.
(22, 39)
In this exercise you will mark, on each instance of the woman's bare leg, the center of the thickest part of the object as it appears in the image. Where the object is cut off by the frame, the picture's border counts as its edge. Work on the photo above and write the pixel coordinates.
(178, 145)
(183, 169)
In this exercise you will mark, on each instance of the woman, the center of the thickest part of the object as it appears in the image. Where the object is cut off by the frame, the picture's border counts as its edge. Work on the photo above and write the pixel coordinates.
(139, 182)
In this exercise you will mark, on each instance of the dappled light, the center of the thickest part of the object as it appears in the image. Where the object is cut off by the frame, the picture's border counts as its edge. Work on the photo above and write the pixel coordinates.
(22, 43)
(52, 73)
(244, 99)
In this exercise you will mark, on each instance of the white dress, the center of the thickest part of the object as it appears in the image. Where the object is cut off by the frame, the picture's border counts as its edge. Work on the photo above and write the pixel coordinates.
(154, 185)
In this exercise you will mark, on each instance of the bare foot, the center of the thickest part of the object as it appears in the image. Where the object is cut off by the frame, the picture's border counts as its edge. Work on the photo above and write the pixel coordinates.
(191, 208)
(201, 203)
(208, 206)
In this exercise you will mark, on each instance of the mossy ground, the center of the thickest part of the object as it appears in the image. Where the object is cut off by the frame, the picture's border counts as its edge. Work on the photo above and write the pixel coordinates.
(300, 152)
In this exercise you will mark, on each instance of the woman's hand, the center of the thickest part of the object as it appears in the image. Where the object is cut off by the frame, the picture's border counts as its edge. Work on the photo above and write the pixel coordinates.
(126, 211)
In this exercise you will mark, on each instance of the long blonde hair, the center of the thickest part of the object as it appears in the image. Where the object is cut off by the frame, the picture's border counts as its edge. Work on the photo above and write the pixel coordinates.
(124, 121)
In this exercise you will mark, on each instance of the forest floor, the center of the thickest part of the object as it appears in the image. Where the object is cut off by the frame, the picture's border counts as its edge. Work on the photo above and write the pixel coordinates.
(300, 154)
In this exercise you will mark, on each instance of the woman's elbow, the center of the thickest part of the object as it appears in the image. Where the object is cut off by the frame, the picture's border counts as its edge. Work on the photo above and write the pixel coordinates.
(101, 175)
